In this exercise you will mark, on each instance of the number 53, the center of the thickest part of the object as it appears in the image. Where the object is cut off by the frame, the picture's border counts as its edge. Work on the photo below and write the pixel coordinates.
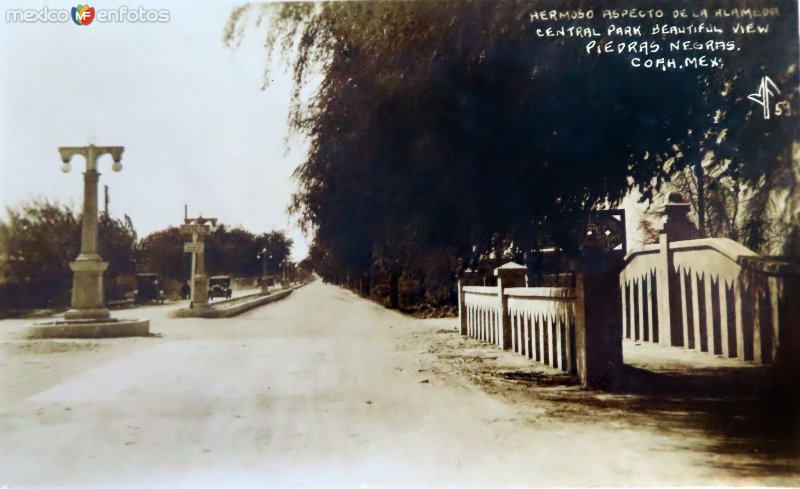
(783, 108)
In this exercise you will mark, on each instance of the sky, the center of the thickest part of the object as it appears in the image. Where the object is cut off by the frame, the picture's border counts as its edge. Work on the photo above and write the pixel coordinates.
(196, 126)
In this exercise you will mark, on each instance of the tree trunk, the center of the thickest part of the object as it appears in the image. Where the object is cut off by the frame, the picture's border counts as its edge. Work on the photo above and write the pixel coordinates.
(394, 295)
(701, 199)
(365, 285)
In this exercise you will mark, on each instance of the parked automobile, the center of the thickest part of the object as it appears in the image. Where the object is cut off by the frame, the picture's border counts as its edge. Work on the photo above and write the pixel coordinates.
(219, 286)
(148, 288)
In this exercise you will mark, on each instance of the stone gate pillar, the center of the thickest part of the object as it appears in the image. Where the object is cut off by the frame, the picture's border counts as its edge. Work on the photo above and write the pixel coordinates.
(677, 224)
(676, 227)
(508, 275)
(598, 332)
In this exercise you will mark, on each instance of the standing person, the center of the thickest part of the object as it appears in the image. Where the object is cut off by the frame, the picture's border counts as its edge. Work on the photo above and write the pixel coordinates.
(185, 290)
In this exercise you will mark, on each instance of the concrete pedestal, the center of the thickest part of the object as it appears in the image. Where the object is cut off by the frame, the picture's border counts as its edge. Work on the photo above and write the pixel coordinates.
(200, 292)
(87, 289)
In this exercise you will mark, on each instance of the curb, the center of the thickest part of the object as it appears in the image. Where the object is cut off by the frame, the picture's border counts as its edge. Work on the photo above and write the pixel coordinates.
(102, 329)
(220, 310)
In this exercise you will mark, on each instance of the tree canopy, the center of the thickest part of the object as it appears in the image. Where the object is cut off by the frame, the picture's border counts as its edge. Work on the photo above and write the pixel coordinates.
(40, 238)
(449, 127)
(228, 250)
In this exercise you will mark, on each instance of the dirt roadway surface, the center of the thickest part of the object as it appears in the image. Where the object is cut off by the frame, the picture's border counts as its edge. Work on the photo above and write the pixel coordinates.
(326, 389)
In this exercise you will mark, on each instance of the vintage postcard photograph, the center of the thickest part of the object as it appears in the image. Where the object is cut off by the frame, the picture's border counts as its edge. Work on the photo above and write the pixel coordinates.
(399, 244)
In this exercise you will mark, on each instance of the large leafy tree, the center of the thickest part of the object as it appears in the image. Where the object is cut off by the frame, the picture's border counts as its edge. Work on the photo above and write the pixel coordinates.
(449, 127)
(230, 250)
(735, 166)
(235, 251)
(117, 244)
(278, 248)
(162, 252)
(39, 240)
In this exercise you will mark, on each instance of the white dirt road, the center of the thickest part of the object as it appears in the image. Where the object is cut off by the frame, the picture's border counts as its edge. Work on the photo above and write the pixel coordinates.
(326, 389)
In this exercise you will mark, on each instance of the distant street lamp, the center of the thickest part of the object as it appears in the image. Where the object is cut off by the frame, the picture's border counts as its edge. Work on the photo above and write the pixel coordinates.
(263, 257)
(88, 301)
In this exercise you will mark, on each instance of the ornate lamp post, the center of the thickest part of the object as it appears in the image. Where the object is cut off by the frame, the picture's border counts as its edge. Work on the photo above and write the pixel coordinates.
(263, 256)
(88, 302)
(88, 317)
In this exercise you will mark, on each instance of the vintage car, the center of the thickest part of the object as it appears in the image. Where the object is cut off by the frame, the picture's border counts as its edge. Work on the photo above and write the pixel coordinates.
(148, 288)
(219, 286)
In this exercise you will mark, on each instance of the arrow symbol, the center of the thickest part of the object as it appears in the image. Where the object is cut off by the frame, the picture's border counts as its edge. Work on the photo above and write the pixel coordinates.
(764, 93)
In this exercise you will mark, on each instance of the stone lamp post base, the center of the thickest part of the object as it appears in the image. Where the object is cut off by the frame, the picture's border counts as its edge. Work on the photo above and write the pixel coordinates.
(89, 318)
(82, 315)
(264, 285)
(87, 289)
(110, 328)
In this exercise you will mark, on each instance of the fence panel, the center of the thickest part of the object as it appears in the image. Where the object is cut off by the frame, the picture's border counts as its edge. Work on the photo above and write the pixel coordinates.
(483, 309)
(720, 298)
(542, 321)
